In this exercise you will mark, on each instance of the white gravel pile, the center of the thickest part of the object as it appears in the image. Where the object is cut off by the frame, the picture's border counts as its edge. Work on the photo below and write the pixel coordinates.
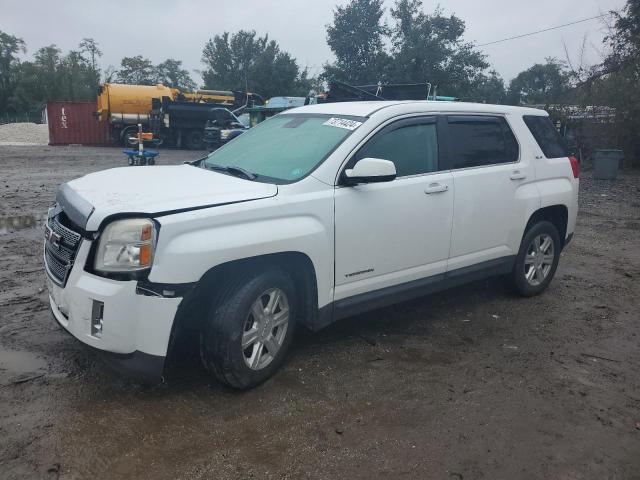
(24, 134)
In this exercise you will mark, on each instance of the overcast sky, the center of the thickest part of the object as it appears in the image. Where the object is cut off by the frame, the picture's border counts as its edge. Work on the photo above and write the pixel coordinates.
(160, 29)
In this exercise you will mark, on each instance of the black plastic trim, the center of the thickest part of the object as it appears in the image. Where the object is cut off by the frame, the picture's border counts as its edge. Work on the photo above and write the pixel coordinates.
(567, 240)
(364, 302)
(165, 290)
(138, 365)
(383, 297)
(352, 181)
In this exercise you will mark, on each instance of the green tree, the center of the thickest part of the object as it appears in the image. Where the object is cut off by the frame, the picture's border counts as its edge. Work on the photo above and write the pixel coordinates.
(429, 48)
(10, 47)
(489, 88)
(78, 77)
(136, 71)
(541, 84)
(91, 53)
(171, 73)
(28, 85)
(356, 38)
(615, 82)
(244, 60)
(48, 63)
(416, 48)
(40, 80)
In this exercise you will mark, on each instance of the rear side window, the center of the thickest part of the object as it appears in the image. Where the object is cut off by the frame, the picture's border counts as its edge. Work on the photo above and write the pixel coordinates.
(548, 138)
(480, 140)
(412, 147)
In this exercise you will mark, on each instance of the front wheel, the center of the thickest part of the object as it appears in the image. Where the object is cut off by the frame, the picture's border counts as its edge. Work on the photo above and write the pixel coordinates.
(537, 259)
(249, 329)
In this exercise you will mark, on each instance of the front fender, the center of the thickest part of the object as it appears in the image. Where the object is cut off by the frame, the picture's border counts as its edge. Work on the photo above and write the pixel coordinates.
(191, 244)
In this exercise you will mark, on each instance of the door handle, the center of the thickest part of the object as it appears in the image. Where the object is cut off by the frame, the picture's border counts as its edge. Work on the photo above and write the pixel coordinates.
(518, 175)
(436, 188)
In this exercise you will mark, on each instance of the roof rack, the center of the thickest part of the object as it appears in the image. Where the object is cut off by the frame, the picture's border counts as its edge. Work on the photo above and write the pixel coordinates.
(343, 92)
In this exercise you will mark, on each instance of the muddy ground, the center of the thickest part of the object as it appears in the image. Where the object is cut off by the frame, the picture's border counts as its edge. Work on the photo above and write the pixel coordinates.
(469, 384)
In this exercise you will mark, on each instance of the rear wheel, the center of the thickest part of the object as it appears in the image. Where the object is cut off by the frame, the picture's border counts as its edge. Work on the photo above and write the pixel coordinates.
(537, 259)
(249, 329)
(195, 140)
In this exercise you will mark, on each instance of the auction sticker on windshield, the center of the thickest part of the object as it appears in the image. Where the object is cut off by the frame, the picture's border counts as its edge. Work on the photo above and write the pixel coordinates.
(343, 123)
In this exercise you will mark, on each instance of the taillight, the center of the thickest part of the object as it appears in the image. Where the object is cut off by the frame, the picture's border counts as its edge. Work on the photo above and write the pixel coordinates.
(575, 166)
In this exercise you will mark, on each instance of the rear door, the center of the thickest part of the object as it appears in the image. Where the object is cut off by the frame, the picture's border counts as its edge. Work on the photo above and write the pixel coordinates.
(488, 174)
(391, 233)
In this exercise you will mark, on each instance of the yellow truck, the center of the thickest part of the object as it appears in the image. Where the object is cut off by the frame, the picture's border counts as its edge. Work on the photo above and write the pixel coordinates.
(175, 118)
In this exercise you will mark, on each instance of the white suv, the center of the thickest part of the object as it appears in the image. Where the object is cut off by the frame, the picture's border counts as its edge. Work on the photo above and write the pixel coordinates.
(317, 214)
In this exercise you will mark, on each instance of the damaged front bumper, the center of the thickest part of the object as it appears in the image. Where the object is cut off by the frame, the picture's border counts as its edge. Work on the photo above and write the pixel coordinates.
(129, 329)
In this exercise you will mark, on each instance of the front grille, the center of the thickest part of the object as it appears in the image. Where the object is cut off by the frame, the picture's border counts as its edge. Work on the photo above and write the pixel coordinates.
(60, 249)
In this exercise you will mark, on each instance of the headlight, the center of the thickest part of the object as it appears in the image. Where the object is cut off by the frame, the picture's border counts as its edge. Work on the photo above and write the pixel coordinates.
(224, 134)
(126, 246)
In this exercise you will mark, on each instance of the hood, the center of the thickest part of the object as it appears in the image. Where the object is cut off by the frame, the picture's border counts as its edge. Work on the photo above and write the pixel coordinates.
(152, 190)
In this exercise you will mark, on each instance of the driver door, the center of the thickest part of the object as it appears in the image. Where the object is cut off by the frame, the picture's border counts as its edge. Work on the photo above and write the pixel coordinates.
(392, 233)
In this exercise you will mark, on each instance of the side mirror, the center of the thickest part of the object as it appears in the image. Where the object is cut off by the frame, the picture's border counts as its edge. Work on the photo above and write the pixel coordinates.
(370, 170)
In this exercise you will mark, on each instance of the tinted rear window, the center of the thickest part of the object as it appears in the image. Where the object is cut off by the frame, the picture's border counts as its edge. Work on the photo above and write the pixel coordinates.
(481, 140)
(548, 138)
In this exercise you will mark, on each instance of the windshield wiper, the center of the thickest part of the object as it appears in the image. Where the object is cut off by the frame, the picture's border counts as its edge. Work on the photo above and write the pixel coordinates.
(231, 169)
(241, 171)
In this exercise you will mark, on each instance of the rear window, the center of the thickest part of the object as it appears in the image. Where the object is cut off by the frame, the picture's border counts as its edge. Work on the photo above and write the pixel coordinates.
(548, 138)
(480, 140)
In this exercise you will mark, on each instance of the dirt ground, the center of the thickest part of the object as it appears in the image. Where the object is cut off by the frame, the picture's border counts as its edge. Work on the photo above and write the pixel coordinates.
(468, 384)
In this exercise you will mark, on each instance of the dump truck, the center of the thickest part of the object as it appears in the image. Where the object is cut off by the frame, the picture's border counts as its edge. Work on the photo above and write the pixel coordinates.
(174, 117)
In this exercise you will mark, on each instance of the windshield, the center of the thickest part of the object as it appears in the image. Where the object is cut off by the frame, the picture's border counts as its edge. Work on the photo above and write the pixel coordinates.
(285, 148)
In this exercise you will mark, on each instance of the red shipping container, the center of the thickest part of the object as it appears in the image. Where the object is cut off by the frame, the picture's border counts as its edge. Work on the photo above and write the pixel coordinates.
(74, 123)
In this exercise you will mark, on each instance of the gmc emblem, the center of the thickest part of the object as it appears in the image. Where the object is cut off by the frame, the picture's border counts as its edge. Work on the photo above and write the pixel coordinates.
(52, 237)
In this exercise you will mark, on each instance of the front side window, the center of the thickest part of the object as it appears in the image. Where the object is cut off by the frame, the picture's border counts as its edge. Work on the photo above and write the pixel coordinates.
(412, 147)
(547, 137)
(286, 147)
(480, 140)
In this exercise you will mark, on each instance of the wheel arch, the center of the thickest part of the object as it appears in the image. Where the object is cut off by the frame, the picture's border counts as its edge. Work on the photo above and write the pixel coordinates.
(194, 306)
(558, 215)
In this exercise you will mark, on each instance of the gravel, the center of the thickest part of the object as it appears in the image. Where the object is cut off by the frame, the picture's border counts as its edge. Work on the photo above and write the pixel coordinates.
(472, 383)
(24, 134)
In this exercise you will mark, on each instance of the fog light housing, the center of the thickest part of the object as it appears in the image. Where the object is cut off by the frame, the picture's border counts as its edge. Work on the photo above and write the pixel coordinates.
(97, 313)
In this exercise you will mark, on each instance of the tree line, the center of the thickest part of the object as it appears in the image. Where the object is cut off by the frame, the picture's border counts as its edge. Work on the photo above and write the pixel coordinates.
(409, 45)
(413, 47)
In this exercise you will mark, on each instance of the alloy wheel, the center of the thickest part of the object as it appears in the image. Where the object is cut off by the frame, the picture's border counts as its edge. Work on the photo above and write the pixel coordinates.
(265, 328)
(538, 260)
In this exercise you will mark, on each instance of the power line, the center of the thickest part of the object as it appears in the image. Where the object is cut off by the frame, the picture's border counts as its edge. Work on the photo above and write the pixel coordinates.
(544, 30)
(317, 67)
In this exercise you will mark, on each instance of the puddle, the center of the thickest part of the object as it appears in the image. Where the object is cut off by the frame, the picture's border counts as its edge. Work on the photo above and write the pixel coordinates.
(15, 363)
(21, 222)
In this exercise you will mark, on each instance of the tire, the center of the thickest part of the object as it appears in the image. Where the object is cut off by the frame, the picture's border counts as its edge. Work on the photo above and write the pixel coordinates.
(195, 140)
(537, 259)
(234, 318)
(127, 136)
